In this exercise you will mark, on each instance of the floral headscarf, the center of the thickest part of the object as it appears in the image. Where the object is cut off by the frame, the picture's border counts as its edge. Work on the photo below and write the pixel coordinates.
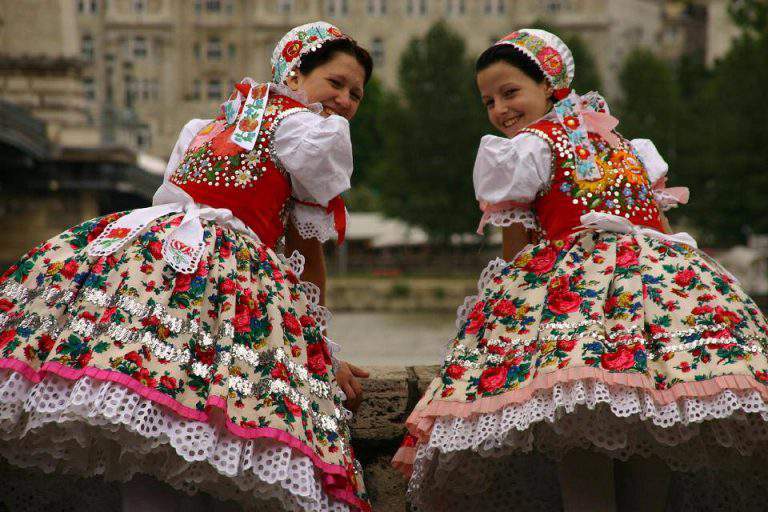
(576, 113)
(249, 99)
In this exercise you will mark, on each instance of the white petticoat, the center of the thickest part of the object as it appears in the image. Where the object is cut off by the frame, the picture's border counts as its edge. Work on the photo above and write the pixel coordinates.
(89, 427)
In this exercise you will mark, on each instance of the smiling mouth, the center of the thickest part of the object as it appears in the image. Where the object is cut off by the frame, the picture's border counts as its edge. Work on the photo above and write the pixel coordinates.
(509, 123)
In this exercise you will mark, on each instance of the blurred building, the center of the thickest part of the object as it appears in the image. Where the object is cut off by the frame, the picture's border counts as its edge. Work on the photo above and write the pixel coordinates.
(131, 72)
(56, 168)
(147, 66)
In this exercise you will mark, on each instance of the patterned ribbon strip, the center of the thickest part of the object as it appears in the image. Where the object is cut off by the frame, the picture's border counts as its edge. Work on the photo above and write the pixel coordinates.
(249, 121)
(183, 247)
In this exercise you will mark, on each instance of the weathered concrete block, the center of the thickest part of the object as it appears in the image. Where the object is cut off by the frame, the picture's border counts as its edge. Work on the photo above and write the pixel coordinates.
(380, 416)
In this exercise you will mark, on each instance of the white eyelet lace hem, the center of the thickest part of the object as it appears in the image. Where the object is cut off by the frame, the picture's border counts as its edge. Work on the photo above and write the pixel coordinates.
(475, 462)
(88, 427)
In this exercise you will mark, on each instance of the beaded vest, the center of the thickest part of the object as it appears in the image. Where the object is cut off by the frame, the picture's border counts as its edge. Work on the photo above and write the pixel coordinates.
(623, 189)
(251, 184)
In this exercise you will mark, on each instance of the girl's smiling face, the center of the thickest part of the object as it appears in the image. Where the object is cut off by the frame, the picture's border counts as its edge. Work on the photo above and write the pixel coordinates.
(338, 85)
(513, 99)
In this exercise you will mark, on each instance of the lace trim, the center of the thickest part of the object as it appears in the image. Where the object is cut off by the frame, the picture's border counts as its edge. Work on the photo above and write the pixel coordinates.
(494, 267)
(665, 201)
(506, 218)
(91, 427)
(314, 222)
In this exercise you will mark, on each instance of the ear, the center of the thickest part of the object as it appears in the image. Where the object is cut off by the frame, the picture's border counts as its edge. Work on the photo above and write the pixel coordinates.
(292, 80)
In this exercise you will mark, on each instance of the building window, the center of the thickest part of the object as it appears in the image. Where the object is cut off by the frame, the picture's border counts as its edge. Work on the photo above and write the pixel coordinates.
(196, 51)
(214, 89)
(284, 6)
(88, 6)
(336, 8)
(89, 87)
(455, 7)
(377, 51)
(86, 48)
(213, 51)
(557, 5)
(197, 89)
(213, 5)
(494, 7)
(130, 91)
(143, 137)
(377, 7)
(416, 7)
(139, 6)
(139, 47)
(232, 50)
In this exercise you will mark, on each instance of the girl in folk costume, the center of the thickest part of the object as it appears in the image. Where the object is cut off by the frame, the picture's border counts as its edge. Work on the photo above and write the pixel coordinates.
(600, 337)
(174, 340)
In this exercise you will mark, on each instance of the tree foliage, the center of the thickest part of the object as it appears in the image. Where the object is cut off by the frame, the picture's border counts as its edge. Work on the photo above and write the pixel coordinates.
(432, 137)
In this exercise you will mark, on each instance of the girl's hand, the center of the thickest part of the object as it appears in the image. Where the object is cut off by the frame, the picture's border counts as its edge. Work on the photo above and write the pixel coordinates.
(347, 376)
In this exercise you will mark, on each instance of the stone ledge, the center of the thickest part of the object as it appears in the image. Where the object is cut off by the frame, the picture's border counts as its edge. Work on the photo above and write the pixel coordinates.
(378, 427)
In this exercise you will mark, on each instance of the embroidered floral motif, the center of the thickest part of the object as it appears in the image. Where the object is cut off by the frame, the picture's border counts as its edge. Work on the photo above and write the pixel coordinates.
(623, 188)
(217, 162)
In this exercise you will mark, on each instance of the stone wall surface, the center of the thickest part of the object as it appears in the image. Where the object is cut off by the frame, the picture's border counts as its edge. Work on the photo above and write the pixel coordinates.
(378, 428)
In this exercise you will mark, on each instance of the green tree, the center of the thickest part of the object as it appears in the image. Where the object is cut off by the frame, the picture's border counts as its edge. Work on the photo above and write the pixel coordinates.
(650, 102)
(432, 137)
(723, 154)
(368, 129)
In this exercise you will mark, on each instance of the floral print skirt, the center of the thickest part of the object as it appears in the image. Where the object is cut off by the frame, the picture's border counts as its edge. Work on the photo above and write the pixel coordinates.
(618, 343)
(220, 380)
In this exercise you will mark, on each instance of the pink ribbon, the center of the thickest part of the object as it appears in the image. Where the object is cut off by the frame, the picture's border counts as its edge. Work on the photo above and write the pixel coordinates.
(489, 208)
(601, 124)
(679, 194)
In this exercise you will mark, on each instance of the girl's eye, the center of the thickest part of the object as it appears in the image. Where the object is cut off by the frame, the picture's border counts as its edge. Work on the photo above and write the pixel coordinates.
(488, 103)
(334, 82)
(509, 92)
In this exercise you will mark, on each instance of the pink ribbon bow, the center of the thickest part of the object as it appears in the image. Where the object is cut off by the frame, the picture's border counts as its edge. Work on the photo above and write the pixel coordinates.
(601, 124)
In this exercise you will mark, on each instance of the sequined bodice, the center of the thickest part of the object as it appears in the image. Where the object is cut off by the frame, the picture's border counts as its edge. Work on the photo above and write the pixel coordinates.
(252, 184)
(623, 188)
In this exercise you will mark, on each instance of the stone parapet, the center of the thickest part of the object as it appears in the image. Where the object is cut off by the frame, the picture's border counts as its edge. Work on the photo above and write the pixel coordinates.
(379, 425)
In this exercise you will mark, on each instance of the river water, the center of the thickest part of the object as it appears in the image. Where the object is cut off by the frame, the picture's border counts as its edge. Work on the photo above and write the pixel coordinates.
(397, 339)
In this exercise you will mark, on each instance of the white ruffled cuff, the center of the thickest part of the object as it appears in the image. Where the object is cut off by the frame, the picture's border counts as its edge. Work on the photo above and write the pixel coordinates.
(314, 222)
(506, 218)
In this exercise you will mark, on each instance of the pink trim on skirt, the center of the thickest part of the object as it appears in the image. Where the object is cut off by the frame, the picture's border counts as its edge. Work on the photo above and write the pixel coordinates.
(422, 419)
(334, 479)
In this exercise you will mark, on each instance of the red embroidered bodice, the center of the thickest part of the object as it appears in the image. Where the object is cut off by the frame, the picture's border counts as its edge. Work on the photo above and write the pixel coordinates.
(624, 188)
(251, 184)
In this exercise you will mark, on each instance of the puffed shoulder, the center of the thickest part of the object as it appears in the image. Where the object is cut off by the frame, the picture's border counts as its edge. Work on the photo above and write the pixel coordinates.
(511, 169)
(654, 163)
(317, 153)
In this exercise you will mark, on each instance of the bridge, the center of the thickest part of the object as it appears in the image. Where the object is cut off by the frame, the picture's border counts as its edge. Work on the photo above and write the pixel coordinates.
(46, 188)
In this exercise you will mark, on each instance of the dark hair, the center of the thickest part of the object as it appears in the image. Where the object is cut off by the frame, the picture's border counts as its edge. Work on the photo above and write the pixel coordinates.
(326, 52)
(513, 57)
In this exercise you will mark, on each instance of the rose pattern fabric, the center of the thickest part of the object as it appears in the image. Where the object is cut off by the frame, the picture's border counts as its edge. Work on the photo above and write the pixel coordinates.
(239, 334)
(614, 302)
